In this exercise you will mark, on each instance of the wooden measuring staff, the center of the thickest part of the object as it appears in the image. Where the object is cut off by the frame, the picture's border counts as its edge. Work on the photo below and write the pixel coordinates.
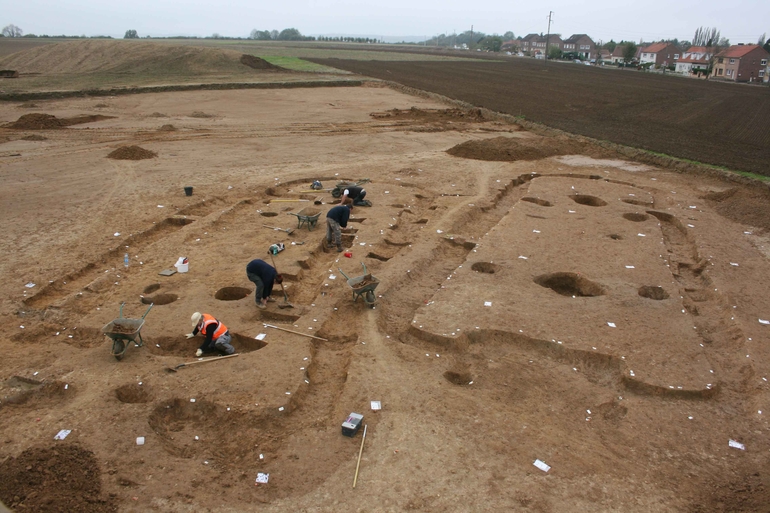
(295, 332)
(360, 451)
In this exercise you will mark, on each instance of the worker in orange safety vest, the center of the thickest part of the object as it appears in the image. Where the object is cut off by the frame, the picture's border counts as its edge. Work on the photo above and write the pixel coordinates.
(217, 336)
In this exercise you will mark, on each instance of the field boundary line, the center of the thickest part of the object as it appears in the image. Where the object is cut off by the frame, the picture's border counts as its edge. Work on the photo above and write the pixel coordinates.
(48, 95)
(635, 154)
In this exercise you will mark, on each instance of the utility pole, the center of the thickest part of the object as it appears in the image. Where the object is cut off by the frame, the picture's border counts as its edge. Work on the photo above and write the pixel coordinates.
(471, 41)
(548, 35)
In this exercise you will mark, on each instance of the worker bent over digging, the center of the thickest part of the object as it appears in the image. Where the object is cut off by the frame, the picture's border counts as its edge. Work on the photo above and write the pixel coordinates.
(357, 194)
(217, 335)
(337, 218)
(263, 275)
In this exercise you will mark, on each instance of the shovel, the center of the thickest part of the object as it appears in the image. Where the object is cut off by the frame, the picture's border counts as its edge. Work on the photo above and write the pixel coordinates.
(287, 230)
(216, 358)
(285, 303)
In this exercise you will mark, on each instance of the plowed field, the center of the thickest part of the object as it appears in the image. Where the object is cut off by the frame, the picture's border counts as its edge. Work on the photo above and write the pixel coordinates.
(715, 123)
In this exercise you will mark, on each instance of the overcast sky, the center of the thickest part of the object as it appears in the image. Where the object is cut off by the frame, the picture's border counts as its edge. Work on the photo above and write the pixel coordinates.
(741, 21)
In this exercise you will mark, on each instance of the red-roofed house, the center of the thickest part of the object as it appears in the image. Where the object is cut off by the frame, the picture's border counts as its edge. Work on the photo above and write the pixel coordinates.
(661, 55)
(694, 60)
(741, 63)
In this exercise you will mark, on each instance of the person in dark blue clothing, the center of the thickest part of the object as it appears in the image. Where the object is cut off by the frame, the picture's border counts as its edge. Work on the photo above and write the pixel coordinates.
(263, 275)
(337, 218)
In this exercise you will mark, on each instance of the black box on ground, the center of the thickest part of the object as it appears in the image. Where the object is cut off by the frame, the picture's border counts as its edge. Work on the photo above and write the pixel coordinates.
(352, 424)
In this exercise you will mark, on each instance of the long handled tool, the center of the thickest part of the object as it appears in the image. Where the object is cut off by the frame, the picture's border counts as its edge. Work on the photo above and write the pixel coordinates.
(214, 359)
(295, 332)
(285, 303)
(360, 452)
(287, 230)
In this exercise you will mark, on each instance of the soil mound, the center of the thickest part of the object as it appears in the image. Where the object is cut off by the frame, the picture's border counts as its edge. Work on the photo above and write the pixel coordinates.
(131, 57)
(34, 138)
(167, 128)
(256, 62)
(49, 122)
(37, 122)
(507, 149)
(131, 153)
(60, 478)
(471, 115)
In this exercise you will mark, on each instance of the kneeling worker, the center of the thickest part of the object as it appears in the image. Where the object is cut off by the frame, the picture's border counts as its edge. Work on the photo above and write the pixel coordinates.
(263, 275)
(355, 193)
(217, 335)
(337, 217)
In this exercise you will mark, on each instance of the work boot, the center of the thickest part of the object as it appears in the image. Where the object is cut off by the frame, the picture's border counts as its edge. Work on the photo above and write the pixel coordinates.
(270, 299)
(339, 249)
(261, 306)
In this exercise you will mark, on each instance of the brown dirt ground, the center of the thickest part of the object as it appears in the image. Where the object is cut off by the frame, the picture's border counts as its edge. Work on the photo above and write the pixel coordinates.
(489, 345)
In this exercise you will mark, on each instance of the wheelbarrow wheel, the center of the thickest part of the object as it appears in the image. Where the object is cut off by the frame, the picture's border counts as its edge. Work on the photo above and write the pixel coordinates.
(336, 193)
(369, 298)
(118, 349)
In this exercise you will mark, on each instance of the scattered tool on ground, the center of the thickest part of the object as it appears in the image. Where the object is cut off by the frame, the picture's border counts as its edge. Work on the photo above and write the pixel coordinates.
(123, 331)
(289, 200)
(287, 230)
(295, 332)
(186, 364)
(360, 452)
(286, 303)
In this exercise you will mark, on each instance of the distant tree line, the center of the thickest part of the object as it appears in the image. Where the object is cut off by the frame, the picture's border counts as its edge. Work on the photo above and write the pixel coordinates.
(14, 31)
(289, 34)
(470, 39)
(348, 39)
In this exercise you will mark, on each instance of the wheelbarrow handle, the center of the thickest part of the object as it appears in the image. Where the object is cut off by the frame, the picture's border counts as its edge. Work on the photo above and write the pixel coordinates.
(148, 310)
(364, 266)
(343, 273)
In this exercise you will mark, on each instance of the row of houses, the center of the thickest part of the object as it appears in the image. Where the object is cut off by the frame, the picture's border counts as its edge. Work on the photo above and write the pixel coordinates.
(738, 63)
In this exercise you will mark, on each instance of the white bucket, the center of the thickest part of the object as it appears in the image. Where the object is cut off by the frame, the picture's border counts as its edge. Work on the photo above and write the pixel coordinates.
(182, 265)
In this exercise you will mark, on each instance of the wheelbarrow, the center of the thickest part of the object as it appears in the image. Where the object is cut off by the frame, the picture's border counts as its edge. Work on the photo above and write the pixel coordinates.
(123, 331)
(341, 186)
(307, 216)
(363, 286)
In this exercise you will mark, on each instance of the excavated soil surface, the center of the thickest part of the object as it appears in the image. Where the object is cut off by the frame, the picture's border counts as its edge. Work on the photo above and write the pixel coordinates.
(538, 299)
(53, 478)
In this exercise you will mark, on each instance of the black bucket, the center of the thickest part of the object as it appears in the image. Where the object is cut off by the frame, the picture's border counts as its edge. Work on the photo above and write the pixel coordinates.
(188, 191)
